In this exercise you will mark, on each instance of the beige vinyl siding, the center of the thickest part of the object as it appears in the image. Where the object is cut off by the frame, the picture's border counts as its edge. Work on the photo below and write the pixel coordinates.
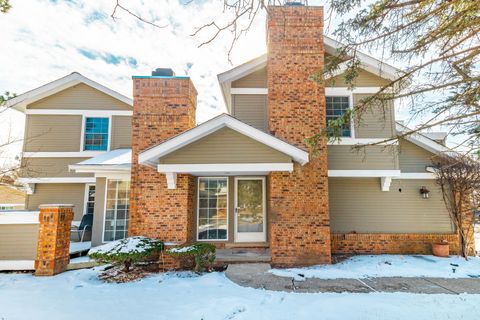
(53, 133)
(50, 167)
(376, 122)
(358, 205)
(345, 157)
(99, 211)
(121, 132)
(58, 193)
(225, 146)
(80, 97)
(11, 195)
(251, 109)
(413, 158)
(364, 79)
(18, 241)
(256, 79)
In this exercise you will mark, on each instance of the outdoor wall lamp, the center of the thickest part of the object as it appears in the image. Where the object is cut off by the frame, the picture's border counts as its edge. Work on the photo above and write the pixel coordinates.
(424, 192)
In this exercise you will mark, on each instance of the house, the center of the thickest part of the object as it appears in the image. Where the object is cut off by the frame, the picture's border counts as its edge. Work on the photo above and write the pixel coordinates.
(245, 178)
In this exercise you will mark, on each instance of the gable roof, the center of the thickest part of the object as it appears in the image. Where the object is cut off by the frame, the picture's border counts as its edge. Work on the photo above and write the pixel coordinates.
(368, 63)
(421, 140)
(152, 155)
(20, 102)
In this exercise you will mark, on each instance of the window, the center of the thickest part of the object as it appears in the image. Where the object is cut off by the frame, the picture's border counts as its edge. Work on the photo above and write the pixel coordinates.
(6, 207)
(116, 210)
(336, 107)
(90, 199)
(212, 208)
(96, 134)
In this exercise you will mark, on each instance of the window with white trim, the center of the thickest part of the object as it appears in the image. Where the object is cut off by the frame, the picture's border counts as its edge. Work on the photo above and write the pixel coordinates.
(116, 210)
(96, 134)
(336, 107)
(90, 199)
(212, 208)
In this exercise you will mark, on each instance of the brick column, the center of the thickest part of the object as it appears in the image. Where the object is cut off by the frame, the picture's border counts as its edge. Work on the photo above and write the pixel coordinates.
(53, 249)
(163, 107)
(298, 201)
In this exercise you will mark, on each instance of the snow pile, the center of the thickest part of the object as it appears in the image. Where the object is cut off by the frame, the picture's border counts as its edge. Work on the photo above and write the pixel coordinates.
(210, 297)
(359, 267)
(128, 245)
(182, 249)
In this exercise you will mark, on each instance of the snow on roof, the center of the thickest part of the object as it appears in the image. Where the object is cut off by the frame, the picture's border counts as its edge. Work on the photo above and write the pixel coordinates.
(116, 160)
(115, 157)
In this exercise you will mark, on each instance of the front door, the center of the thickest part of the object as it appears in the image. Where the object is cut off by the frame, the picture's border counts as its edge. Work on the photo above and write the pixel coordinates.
(250, 209)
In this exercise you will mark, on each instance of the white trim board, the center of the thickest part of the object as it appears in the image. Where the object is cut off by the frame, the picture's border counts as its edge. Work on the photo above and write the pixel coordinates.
(344, 91)
(420, 140)
(150, 156)
(19, 217)
(58, 180)
(249, 90)
(67, 154)
(87, 113)
(224, 168)
(17, 265)
(362, 141)
(363, 173)
(20, 102)
(416, 175)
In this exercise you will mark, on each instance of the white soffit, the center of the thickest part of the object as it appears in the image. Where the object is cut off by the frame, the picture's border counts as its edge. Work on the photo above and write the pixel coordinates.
(20, 102)
(151, 156)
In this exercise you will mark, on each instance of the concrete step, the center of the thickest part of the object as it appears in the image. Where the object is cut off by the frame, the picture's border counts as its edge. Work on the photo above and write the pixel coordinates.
(239, 255)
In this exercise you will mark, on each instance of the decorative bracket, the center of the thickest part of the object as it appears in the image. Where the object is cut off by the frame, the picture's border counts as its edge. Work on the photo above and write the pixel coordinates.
(171, 180)
(385, 183)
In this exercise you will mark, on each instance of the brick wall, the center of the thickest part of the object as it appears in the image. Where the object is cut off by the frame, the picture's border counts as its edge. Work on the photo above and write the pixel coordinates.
(162, 108)
(298, 201)
(53, 249)
(359, 243)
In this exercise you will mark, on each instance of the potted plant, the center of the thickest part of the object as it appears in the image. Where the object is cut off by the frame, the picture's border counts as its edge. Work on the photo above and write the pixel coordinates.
(441, 249)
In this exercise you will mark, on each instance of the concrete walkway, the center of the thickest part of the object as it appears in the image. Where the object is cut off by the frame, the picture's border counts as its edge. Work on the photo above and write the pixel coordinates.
(256, 275)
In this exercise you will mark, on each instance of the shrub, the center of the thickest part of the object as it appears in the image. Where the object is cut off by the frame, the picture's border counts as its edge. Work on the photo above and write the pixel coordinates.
(126, 251)
(202, 253)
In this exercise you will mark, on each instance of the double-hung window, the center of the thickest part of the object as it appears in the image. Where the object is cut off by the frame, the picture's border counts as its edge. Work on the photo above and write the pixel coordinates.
(90, 199)
(336, 107)
(96, 134)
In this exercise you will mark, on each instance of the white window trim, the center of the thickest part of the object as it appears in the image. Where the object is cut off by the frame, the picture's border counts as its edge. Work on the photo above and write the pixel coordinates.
(354, 141)
(85, 199)
(198, 210)
(88, 113)
(264, 203)
(105, 208)
(109, 138)
(349, 95)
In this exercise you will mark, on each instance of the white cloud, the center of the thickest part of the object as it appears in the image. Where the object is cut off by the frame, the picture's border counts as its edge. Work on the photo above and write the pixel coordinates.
(41, 42)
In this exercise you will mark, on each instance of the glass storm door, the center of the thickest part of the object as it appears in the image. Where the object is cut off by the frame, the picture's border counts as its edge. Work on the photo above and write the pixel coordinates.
(250, 224)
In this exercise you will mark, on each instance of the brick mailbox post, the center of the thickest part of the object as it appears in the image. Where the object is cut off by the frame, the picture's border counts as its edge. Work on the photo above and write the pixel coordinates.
(53, 249)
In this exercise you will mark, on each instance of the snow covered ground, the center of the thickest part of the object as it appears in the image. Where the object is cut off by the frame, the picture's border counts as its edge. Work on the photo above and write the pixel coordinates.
(359, 267)
(212, 296)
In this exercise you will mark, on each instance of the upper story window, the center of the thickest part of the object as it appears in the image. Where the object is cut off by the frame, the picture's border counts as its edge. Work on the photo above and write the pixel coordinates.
(96, 134)
(336, 107)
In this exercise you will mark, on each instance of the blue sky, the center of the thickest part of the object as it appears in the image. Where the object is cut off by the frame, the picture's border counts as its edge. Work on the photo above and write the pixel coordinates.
(43, 40)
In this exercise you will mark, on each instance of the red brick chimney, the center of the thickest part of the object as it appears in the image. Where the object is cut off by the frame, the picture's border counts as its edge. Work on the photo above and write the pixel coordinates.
(300, 224)
(163, 106)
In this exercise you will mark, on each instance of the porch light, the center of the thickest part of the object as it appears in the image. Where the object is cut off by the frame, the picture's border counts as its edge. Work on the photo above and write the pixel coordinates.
(424, 192)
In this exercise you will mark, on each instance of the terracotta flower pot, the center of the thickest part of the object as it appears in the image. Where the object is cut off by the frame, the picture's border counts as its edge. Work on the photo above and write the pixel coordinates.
(441, 249)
